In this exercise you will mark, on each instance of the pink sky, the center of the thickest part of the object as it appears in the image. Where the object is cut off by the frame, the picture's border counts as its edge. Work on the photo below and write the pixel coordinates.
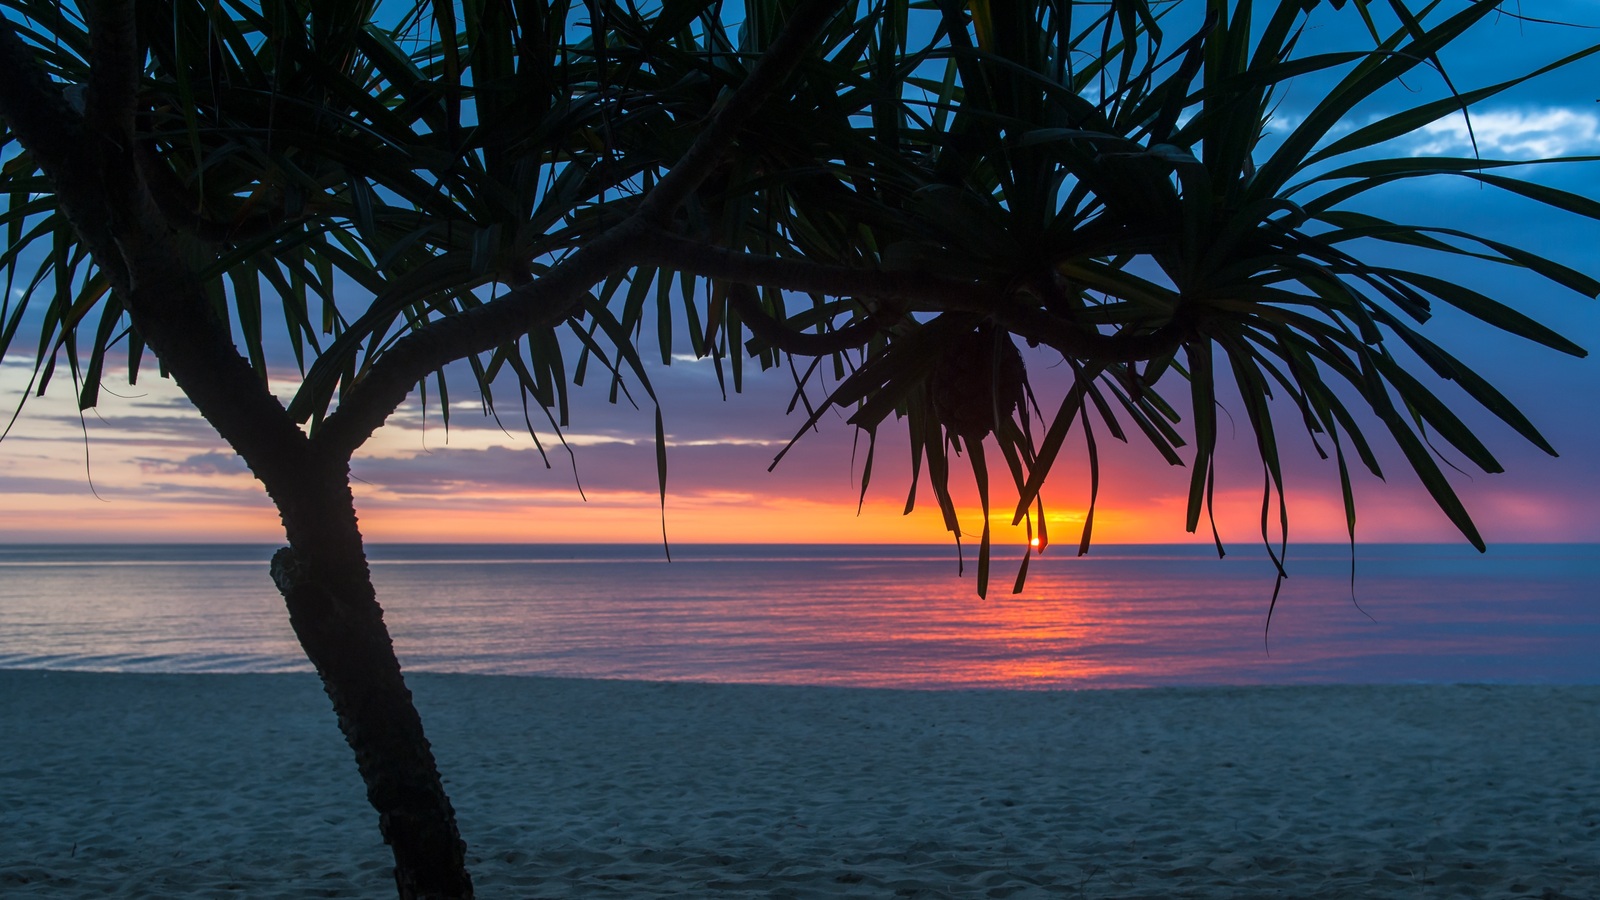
(159, 474)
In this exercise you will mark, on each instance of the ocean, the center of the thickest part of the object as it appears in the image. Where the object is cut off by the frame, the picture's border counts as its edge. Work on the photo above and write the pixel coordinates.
(879, 616)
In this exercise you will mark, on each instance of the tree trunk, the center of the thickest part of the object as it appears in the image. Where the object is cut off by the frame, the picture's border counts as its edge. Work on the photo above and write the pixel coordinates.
(89, 160)
(335, 614)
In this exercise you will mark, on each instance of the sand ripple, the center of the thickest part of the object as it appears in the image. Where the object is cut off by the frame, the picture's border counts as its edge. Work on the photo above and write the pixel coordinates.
(238, 785)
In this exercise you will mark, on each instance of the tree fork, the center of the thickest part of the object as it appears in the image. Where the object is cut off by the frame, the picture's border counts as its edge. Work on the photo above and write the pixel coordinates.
(323, 574)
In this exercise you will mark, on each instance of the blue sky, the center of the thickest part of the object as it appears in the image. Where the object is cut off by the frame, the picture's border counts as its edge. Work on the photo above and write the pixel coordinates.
(158, 472)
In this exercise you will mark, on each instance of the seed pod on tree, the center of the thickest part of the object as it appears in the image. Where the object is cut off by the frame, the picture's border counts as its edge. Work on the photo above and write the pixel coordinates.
(980, 380)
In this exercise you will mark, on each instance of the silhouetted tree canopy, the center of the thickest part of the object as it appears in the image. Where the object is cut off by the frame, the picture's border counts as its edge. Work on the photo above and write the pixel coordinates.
(881, 196)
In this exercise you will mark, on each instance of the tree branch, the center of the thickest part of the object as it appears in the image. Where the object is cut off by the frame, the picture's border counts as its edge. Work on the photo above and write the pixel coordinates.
(53, 134)
(169, 307)
(34, 107)
(777, 334)
(552, 298)
(542, 303)
(660, 248)
(931, 292)
(127, 240)
(770, 72)
(183, 214)
(114, 69)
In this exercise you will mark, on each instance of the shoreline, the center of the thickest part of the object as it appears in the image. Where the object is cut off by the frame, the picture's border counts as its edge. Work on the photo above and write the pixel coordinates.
(239, 784)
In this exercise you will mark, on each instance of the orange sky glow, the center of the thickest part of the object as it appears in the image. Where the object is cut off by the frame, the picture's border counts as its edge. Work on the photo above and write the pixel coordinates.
(150, 470)
(144, 467)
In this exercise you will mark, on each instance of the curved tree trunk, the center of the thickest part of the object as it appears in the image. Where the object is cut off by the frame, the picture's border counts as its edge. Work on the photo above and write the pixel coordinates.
(87, 155)
(335, 613)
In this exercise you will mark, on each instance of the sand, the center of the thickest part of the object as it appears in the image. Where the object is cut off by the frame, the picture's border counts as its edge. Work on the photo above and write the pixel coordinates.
(239, 785)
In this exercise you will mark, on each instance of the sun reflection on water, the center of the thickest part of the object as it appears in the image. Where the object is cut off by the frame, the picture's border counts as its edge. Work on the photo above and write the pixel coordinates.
(875, 617)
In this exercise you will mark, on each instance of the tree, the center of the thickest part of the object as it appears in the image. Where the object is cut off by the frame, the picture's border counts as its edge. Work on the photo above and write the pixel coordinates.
(509, 182)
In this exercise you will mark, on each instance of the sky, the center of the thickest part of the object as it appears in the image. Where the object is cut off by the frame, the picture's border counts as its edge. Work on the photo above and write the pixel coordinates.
(144, 467)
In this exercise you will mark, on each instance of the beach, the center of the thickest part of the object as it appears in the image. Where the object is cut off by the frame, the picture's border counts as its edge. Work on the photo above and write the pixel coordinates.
(147, 785)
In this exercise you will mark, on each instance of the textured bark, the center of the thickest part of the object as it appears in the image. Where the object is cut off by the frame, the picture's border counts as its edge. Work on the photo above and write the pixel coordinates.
(89, 157)
(326, 585)
(336, 616)
(118, 202)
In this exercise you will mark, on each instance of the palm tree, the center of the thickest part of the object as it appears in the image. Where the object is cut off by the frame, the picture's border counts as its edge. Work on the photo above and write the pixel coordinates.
(501, 181)
(1152, 231)
(175, 159)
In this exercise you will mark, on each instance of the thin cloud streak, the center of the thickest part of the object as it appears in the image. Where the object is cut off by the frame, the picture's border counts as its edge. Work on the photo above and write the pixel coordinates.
(1511, 134)
(163, 474)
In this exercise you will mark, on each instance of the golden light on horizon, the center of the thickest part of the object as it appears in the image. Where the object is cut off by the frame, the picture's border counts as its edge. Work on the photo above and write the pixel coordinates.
(153, 471)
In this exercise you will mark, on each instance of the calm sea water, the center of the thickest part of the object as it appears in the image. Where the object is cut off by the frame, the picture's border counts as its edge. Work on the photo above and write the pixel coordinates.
(843, 615)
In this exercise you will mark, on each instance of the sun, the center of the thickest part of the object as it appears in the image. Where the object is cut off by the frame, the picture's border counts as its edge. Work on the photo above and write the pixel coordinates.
(1034, 543)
